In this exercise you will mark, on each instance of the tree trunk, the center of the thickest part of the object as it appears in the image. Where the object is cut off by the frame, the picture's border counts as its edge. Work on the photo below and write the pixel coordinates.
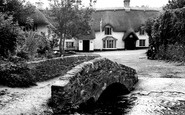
(63, 44)
(60, 46)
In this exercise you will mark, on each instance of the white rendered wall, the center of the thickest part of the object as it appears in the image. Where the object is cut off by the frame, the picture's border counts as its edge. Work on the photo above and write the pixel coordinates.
(98, 42)
(142, 37)
(42, 29)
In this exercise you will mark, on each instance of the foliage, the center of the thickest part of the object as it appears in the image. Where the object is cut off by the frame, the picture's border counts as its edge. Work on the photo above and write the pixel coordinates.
(23, 54)
(174, 52)
(70, 20)
(174, 4)
(166, 33)
(16, 8)
(46, 43)
(30, 45)
(8, 35)
(43, 44)
(52, 68)
(20, 75)
(16, 75)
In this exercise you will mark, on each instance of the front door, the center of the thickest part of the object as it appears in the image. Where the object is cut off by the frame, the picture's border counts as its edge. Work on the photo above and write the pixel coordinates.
(130, 42)
(86, 45)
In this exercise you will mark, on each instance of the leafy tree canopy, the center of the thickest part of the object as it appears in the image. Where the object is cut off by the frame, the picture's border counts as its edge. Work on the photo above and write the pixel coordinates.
(8, 35)
(173, 4)
(70, 20)
(16, 8)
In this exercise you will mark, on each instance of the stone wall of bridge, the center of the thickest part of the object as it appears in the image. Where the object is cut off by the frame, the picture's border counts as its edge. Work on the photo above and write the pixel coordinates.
(89, 80)
(47, 69)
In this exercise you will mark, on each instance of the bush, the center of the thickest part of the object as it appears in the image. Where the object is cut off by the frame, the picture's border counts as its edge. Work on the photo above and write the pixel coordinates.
(20, 75)
(166, 34)
(23, 54)
(173, 52)
(15, 59)
(16, 75)
(52, 68)
(8, 34)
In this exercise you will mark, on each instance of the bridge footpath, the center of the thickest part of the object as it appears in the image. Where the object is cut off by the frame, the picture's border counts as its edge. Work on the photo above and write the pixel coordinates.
(89, 80)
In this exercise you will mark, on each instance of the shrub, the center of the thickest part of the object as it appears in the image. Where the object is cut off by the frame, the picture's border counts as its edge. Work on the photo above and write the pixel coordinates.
(8, 34)
(25, 74)
(173, 52)
(16, 75)
(23, 54)
(51, 68)
(15, 59)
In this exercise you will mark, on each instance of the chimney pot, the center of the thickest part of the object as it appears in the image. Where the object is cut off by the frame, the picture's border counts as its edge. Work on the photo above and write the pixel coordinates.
(126, 3)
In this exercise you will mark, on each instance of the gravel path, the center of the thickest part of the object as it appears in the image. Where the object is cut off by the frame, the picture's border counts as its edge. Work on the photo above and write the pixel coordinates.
(26, 101)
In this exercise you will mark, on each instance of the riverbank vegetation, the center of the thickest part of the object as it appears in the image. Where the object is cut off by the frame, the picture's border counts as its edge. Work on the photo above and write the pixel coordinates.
(166, 33)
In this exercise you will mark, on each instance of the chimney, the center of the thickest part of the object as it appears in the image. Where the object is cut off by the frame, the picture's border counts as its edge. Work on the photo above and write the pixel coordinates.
(126, 3)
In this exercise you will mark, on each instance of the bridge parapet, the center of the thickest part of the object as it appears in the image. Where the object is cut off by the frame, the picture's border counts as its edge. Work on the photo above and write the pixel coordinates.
(88, 80)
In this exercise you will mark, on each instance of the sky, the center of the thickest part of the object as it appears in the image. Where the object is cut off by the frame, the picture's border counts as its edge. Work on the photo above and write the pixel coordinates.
(118, 3)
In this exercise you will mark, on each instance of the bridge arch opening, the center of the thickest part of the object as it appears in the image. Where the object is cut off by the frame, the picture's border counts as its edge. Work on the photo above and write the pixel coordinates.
(110, 94)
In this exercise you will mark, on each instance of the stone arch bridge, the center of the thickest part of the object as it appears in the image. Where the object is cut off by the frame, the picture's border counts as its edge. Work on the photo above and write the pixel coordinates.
(88, 80)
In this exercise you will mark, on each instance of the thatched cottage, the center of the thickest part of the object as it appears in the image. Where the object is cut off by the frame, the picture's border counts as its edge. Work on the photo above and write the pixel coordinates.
(118, 28)
(40, 22)
(113, 29)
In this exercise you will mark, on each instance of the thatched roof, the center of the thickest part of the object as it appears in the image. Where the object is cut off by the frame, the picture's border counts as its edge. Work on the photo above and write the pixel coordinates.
(129, 32)
(38, 17)
(90, 36)
(122, 20)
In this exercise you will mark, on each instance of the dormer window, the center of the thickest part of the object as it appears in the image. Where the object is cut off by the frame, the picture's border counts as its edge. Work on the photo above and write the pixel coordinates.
(108, 30)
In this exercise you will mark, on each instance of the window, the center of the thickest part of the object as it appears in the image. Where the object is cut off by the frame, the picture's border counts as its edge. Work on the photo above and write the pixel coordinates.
(141, 42)
(142, 30)
(109, 43)
(108, 30)
(69, 44)
(104, 43)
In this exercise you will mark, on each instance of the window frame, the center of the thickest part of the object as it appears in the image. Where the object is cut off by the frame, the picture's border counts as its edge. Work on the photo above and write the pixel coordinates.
(109, 44)
(108, 30)
(70, 44)
(142, 42)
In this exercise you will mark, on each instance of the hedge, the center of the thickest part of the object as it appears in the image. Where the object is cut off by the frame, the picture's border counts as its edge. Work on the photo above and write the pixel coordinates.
(27, 74)
(16, 75)
(51, 68)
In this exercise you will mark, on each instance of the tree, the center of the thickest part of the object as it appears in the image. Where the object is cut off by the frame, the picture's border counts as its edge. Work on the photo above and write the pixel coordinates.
(8, 35)
(148, 29)
(16, 8)
(173, 4)
(70, 20)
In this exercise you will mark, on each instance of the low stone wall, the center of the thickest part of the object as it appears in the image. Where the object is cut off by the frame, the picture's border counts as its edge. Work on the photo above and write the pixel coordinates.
(89, 79)
(50, 68)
